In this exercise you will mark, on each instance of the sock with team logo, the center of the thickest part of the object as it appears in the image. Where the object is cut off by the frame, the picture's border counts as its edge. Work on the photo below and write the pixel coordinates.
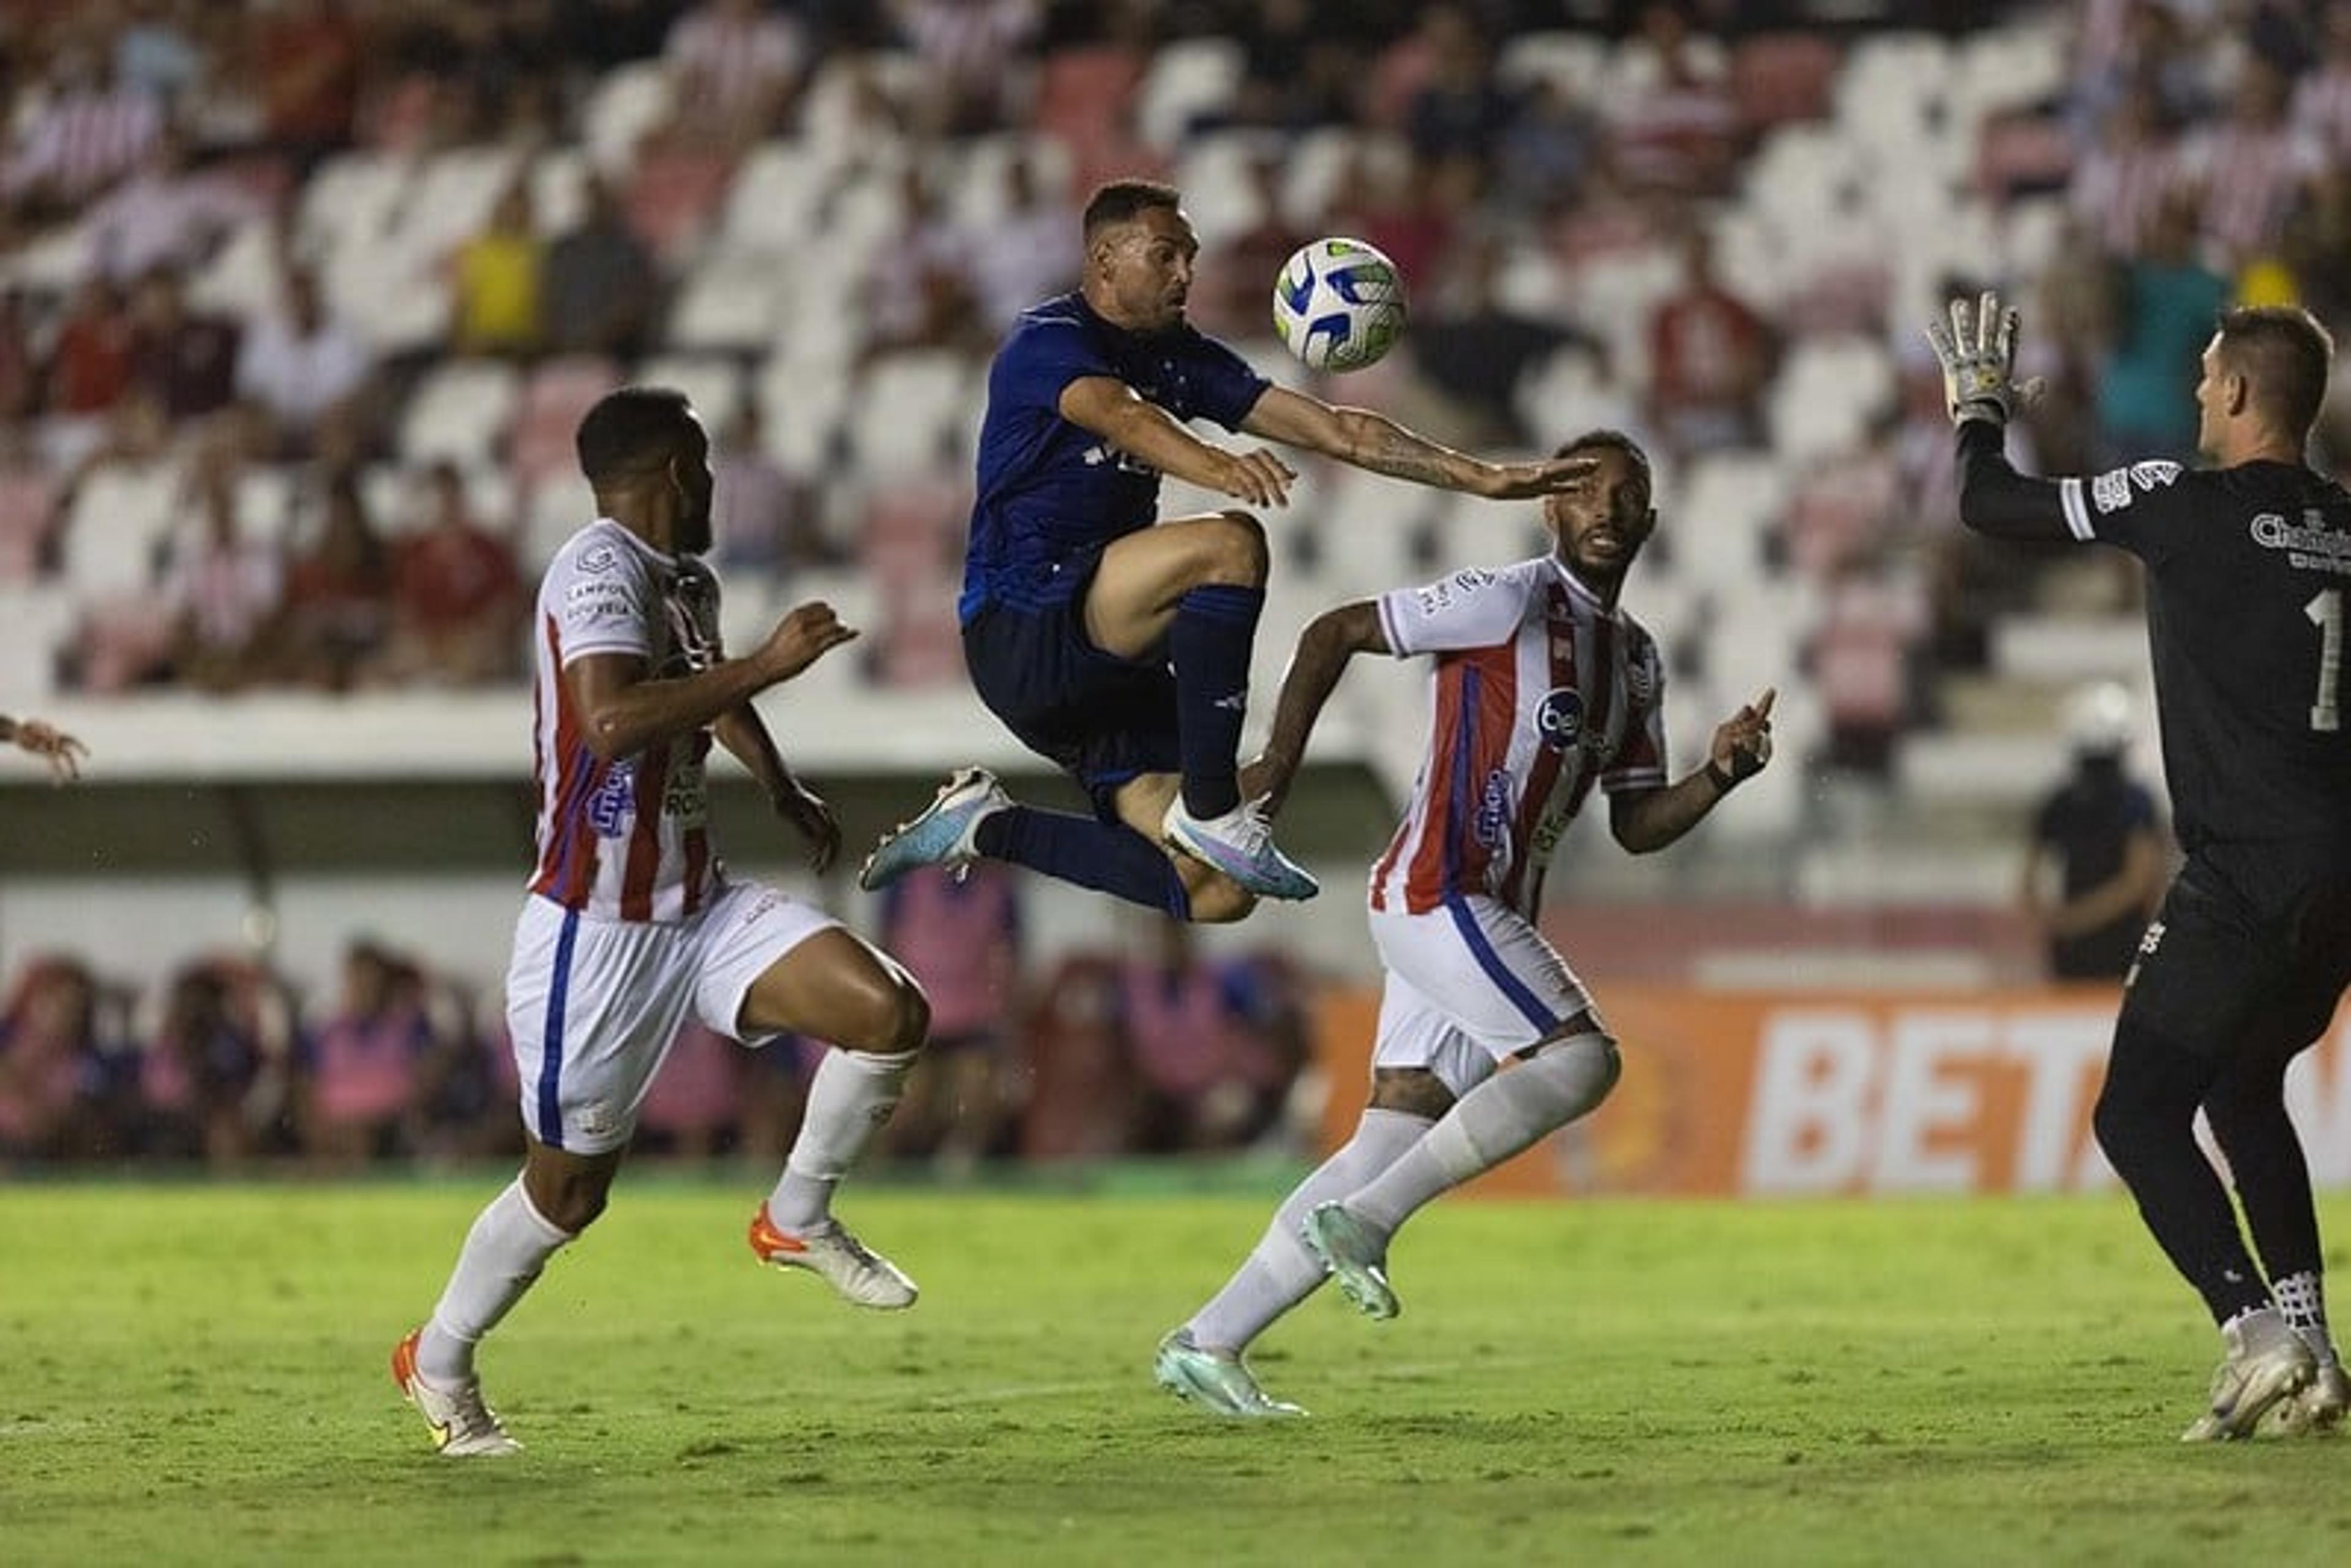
(1107, 857)
(850, 1096)
(1494, 1121)
(1210, 645)
(509, 1244)
(1280, 1272)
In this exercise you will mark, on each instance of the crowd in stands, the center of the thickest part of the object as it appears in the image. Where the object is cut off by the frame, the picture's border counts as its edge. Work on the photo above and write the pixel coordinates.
(302, 297)
(225, 1063)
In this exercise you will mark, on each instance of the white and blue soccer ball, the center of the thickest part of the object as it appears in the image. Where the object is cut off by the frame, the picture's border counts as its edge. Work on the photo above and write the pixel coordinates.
(1339, 304)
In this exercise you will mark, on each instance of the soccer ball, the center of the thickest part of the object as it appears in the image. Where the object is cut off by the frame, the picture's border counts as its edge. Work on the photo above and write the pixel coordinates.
(1338, 305)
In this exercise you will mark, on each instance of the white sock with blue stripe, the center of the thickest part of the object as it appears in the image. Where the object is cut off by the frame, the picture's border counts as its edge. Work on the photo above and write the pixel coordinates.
(1498, 1118)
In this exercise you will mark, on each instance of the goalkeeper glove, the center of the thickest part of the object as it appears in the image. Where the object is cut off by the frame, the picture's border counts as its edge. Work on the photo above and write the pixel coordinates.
(1978, 353)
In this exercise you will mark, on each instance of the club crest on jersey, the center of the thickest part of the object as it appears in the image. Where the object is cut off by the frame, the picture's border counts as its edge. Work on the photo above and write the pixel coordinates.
(1559, 718)
(615, 800)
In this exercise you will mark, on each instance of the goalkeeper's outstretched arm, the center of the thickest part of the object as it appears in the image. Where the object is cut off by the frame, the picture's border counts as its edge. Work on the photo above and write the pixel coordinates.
(1995, 500)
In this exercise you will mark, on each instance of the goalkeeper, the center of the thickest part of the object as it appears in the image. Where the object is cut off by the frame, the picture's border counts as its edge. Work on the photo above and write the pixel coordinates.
(2248, 568)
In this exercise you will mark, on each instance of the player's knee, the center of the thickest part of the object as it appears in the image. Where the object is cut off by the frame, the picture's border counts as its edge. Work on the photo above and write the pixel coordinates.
(897, 1017)
(2149, 1102)
(1412, 1090)
(1235, 550)
(1582, 1068)
(1220, 902)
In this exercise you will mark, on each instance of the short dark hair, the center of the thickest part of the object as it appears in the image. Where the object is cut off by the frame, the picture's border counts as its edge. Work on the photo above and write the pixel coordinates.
(632, 429)
(1121, 201)
(2284, 356)
(1606, 440)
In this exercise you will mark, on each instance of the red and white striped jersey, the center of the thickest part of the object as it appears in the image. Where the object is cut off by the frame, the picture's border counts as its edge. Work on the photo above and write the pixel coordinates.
(628, 839)
(1540, 690)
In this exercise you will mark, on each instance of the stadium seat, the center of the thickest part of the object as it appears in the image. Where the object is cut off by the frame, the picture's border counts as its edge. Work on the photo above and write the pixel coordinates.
(1188, 78)
(1780, 77)
(1828, 394)
(548, 414)
(556, 509)
(559, 189)
(1213, 171)
(914, 412)
(265, 495)
(352, 196)
(776, 203)
(624, 105)
(1575, 62)
(714, 381)
(1730, 502)
(115, 527)
(35, 623)
(460, 411)
(803, 401)
(451, 198)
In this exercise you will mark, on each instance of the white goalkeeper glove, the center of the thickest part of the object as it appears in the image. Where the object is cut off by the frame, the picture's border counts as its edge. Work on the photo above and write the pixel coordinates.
(1978, 353)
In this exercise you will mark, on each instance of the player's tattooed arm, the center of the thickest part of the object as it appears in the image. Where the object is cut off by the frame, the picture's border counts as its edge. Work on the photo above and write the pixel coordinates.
(1368, 440)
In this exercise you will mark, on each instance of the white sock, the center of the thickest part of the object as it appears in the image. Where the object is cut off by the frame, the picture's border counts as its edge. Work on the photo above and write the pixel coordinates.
(509, 1244)
(1280, 1272)
(2301, 1298)
(1506, 1113)
(852, 1095)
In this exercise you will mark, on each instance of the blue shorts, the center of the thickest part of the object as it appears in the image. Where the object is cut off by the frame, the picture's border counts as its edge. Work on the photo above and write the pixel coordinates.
(1100, 718)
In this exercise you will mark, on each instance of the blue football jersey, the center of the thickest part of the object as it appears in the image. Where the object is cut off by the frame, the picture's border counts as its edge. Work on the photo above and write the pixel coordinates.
(1049, 491)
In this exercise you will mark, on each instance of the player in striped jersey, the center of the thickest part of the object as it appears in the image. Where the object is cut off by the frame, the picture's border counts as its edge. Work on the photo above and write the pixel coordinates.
(632, 923)
(2248, 574)
(1543, 689)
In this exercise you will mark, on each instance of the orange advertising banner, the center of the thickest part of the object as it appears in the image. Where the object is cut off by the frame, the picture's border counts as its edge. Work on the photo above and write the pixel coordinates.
(1776, 1094)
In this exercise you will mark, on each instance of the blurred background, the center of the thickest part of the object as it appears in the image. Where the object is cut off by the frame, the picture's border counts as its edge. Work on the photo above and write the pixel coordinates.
(300, 300)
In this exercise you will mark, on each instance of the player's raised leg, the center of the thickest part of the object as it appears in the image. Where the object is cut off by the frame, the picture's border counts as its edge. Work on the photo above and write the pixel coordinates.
(836, 986)
(1197, 587)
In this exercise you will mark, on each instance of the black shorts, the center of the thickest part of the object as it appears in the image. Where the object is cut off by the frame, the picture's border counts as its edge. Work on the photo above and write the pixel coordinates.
(2250, 954)
(1100, 718)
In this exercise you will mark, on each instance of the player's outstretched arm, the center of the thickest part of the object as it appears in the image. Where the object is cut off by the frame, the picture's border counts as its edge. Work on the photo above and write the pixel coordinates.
(61, 751)
(1329, 642)
(1144, 431)
(1364, 439)
(1649, 819)
(624, 708)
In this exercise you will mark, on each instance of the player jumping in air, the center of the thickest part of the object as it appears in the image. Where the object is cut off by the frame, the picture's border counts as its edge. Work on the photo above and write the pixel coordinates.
(1116, 648)
(1543, 689)
(631, 922)
(2247, 568)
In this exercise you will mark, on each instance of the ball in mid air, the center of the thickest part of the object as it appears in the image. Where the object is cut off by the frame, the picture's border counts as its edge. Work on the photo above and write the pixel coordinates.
(1339, 304)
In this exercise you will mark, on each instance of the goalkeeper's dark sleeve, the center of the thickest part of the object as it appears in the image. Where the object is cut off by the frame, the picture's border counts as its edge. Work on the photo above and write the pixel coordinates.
(1995, 500)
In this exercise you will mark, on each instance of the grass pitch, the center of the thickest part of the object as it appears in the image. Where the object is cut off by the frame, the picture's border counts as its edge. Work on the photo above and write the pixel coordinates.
(196, 1375)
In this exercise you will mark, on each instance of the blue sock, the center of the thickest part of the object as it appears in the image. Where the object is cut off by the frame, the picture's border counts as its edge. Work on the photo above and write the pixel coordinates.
(1215, 631)
(1108, 857)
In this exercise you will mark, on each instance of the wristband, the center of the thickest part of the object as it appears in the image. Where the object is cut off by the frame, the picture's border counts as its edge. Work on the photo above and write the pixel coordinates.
(1723, 780)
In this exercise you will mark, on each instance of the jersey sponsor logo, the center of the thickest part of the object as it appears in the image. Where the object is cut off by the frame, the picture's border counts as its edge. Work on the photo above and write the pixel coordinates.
(2154, 474)
(595, 598)
(599, 557)
(1103, 452)
(2310, 547)
(1437, 596)
(684, 798)
(1493, 819)
(1559, 718)
(1641, 681)
(614, 802)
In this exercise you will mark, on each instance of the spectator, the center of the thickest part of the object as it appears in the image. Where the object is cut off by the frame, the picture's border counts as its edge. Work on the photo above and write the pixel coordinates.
(86, 132)
(184, 360)
(918, 291)
(305, 56)
(29, 504)
(20, 366)
(301, 368)
(213, 1083)
(155, 53)
(2122, 183)
(498, 281)
(960, 935)
(457, 604)
(221, 590)
(90, 362)
(1233, 296)
(1301, 68)
(2248, 166)
(166, 214)
(1472, 351)
(1544, 151)
(1710, 356)
(362, 1092)
(1681, 133)
(734, 66)
(764, 517)
(1030, 251)
(56, 1068)
(602, 292)
(335, 623)
(1082, 1095)
(1459, 109)
(1214, 1044)
(973, 54)
(2165, 306)
(2096, 866)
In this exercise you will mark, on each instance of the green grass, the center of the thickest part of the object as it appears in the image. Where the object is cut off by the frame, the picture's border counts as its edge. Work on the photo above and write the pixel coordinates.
(196, 1375)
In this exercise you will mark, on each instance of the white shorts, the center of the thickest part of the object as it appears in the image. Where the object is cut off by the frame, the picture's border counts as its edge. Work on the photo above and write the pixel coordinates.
(594, 1004)
(1469, 983)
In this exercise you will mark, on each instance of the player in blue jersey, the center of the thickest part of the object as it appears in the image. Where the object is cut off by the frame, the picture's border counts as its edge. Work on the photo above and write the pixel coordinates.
(1117, 645)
